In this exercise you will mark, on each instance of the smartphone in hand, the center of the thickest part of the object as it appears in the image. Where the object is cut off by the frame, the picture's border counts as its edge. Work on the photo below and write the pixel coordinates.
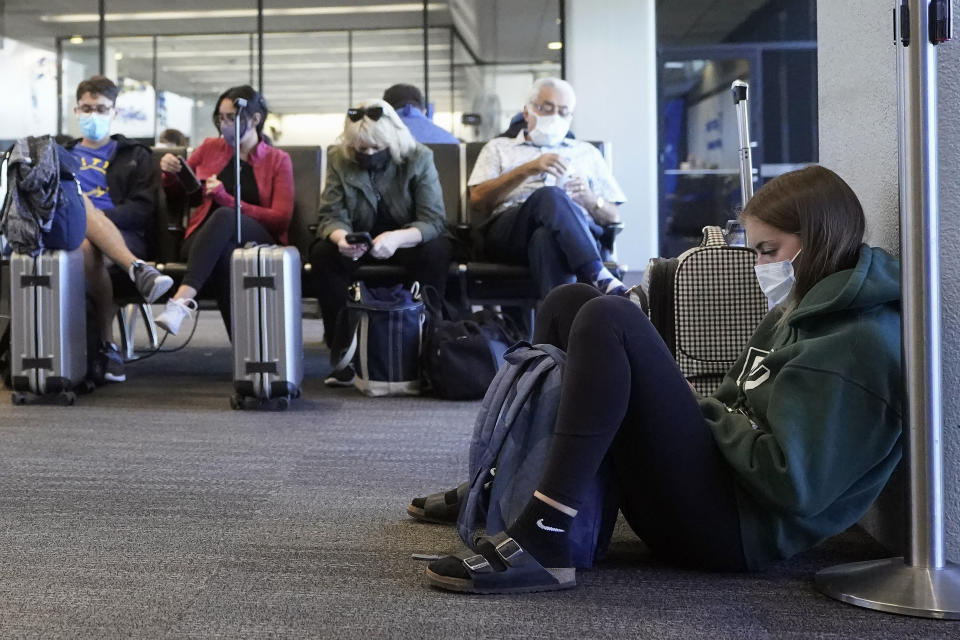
(188, 178)
(359, 237)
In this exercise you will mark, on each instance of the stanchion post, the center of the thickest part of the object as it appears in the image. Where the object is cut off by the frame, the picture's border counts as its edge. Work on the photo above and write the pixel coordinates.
(922, 583)
(741, 102)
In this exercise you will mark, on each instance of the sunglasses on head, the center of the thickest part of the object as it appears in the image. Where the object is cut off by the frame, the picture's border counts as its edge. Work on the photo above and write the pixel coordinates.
(373, 113)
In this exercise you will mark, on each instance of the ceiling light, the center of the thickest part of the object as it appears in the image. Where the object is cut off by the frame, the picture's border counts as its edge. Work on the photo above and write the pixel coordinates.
(269, 52)
(76, 39)
(281, 66)
(118, 56)
(408, 7)
(554, 46)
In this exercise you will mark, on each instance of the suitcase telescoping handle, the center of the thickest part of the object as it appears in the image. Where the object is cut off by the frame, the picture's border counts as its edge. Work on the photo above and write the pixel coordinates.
(741, 101)
(239, 104)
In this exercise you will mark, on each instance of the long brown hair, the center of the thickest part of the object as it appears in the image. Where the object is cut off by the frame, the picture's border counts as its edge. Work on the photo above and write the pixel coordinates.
(817, 205)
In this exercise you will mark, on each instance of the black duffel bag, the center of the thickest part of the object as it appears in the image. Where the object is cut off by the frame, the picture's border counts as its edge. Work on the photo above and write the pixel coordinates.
(460, 357)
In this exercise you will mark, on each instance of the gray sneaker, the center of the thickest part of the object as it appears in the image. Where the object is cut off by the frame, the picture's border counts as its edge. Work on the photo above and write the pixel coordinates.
(149, 282)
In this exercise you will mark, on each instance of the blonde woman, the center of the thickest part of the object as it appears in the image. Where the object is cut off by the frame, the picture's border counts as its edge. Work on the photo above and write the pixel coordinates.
(382, 183)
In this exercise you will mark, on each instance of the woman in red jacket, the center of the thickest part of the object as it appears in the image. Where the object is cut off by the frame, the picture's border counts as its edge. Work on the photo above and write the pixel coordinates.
(266, 192)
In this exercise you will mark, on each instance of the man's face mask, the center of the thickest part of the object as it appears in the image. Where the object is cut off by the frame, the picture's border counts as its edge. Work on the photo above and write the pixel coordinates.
(94, 126)
(776, 280)
(549, 130)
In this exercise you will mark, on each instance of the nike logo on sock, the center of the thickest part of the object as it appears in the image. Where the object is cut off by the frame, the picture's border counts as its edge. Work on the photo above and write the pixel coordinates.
(549, 528)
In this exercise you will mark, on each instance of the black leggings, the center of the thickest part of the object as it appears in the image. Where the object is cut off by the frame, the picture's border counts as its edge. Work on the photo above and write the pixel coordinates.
(208, 252)
(623, 394)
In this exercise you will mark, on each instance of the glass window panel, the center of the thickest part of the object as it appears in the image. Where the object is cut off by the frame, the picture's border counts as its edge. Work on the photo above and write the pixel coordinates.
(28, 61)
(81, 59)
(200, 52)
(192, 71)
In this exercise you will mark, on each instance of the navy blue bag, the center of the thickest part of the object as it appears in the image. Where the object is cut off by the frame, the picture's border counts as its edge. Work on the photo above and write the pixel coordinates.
(43, 207)
(508, 453)
(385, 327)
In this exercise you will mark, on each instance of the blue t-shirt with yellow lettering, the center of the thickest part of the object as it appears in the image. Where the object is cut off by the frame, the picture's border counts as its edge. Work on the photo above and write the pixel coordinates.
(93, 172)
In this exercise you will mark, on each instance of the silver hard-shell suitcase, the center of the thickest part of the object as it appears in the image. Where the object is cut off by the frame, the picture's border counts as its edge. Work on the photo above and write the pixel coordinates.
(266, 323)
(48, 328)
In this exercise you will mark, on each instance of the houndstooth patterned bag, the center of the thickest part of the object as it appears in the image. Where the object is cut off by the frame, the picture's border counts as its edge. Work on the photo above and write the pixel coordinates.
(716, 306)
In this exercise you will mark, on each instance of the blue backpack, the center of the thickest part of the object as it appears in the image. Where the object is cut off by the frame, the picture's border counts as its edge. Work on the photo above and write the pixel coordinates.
(43, 207)
(508, 454)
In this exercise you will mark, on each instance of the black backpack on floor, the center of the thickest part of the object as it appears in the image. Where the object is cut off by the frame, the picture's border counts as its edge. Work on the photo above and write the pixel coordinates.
(461, 357)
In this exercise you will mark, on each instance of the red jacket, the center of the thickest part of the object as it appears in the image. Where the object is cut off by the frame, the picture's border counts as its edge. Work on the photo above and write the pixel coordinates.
(272, 170)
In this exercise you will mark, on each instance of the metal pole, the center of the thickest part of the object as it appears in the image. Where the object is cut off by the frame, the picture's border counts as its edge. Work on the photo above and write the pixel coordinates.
(260, 46)
(250, 64)
(156, 91)
(239, 104)
(60, 86)
(741, 102)
(102, 33)
(453, 82)
(426, 53)
(349, 69)
(922, 583)
(562, 15)
(3, 21)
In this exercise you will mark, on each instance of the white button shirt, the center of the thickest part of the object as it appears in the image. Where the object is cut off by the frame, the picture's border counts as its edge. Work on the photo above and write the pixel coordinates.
(502, 155)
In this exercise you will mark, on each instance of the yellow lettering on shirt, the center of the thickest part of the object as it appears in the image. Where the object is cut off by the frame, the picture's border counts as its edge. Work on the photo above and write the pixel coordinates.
(96, 192)
(94, 164)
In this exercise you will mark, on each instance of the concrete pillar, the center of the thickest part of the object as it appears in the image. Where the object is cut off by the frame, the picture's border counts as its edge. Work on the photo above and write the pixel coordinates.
(612, 64)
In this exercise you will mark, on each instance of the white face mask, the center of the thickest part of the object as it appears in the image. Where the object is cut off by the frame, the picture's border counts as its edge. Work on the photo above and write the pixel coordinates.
(776, 280)
(550, 131)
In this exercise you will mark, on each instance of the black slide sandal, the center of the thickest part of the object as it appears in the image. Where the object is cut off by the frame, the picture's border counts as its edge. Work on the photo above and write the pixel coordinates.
(439, 508)
(502, 566)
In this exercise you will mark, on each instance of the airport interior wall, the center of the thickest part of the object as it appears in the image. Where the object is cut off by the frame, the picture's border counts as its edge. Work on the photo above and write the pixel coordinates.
(612, 64)
(858, 139)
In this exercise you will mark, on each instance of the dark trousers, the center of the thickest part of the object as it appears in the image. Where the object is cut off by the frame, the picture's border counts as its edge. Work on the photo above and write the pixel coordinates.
(332, 273)
(208, 252)
(624, 397)
(548, 232)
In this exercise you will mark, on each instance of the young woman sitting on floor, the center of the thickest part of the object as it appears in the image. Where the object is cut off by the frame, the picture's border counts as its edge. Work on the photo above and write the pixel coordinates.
(793, 447)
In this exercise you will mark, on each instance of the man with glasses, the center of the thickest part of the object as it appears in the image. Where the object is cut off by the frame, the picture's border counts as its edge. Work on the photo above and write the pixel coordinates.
(547, 195)
(118, 181)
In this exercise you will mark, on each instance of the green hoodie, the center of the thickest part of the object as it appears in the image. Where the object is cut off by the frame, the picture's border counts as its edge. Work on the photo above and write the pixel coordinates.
(809, 417)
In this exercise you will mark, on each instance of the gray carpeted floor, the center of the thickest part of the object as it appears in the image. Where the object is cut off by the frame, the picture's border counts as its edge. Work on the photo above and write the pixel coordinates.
(151, 509)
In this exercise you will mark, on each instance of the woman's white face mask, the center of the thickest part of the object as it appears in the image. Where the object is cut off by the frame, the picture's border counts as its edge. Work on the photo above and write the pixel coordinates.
(776, 280)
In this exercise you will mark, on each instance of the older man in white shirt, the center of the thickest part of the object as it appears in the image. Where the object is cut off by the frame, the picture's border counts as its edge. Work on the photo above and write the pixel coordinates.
(547, 195)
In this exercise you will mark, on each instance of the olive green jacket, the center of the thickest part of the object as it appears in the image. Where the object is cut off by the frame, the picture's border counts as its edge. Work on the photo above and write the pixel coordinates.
(410, 191)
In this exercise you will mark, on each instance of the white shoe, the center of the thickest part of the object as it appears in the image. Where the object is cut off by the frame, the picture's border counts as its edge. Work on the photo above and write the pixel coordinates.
(174, 313)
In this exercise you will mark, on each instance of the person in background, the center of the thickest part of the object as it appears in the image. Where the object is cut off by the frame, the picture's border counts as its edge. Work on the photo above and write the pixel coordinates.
(380, 181)
(408, 102)
(172, 138)
(267, 196)
(795, 445)
(547, 196)
(117, 177)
